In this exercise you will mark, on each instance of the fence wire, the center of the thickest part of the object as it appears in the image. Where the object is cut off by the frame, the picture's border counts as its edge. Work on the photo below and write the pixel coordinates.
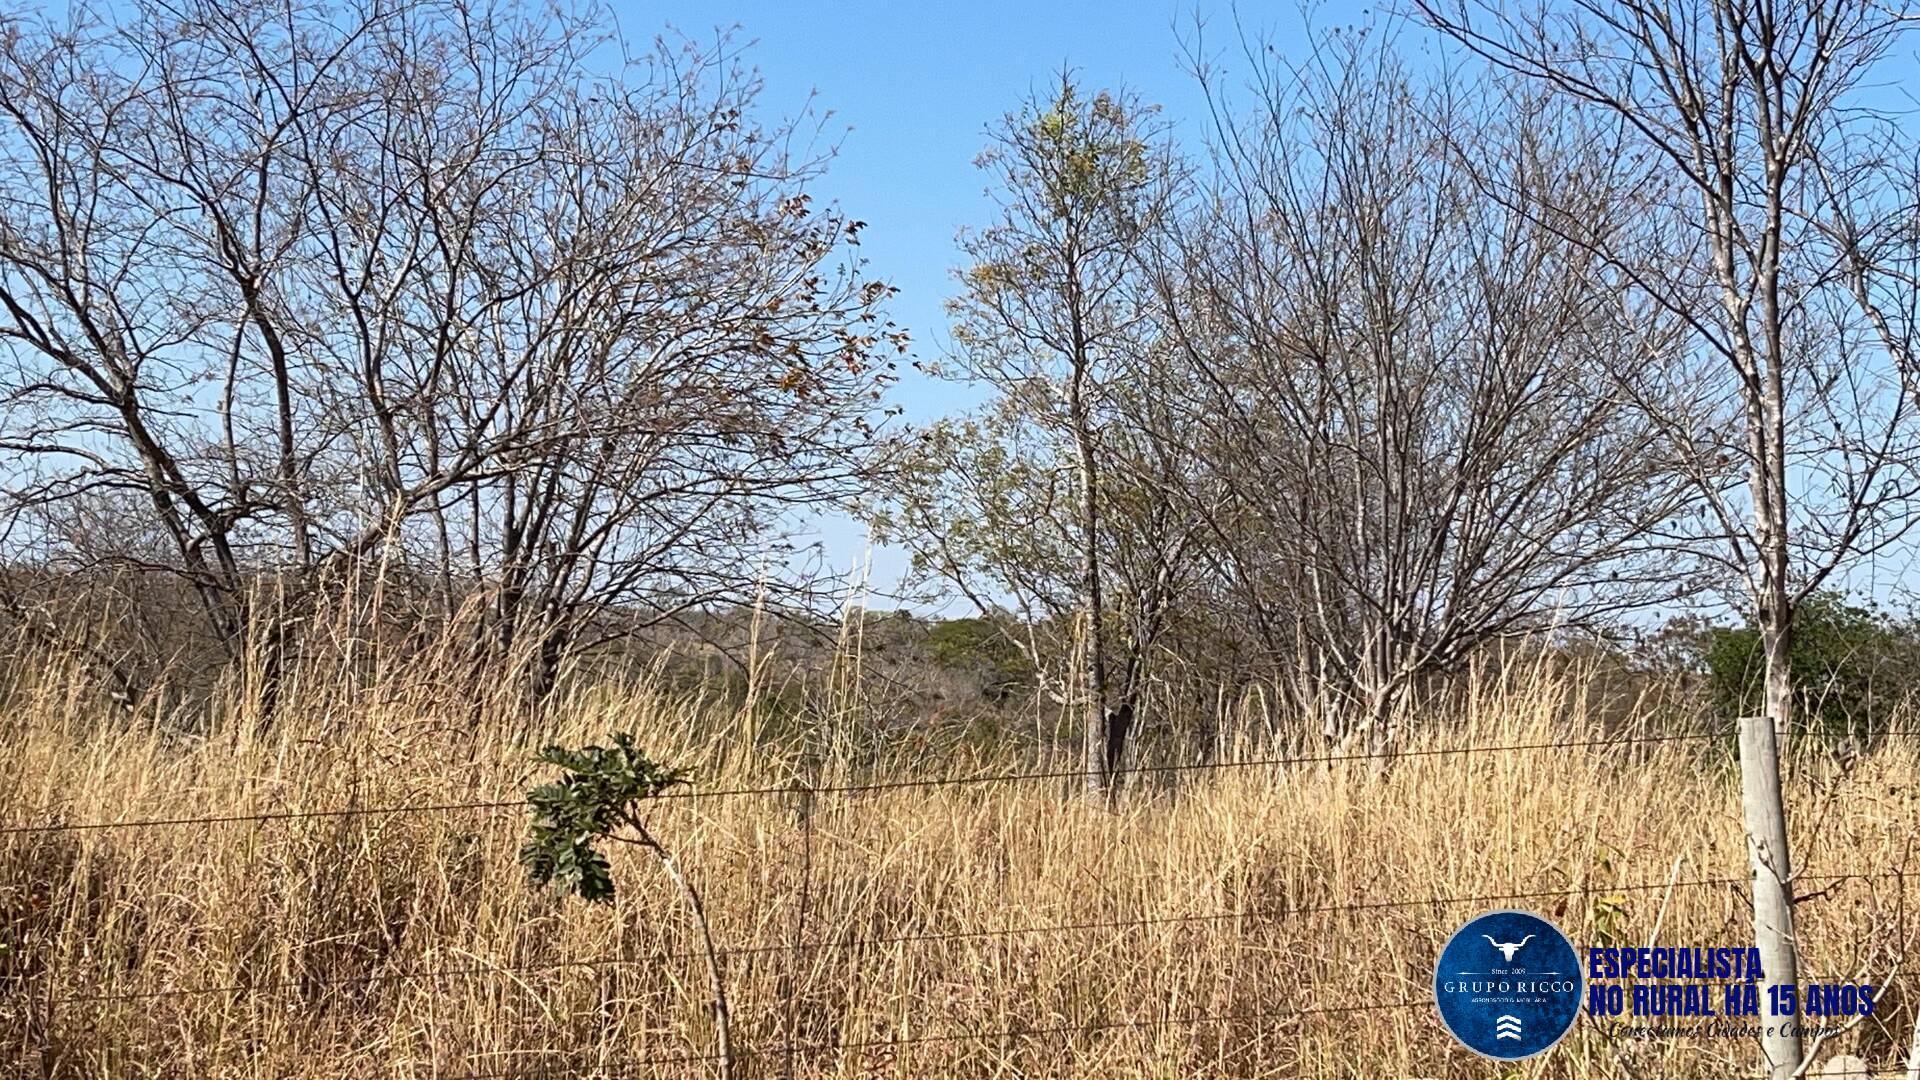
(791, 1049)
(878, 786)
(907, 1041)
(943, 936)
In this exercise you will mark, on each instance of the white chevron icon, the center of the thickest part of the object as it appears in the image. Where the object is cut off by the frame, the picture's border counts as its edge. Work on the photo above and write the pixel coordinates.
(1506, 1027)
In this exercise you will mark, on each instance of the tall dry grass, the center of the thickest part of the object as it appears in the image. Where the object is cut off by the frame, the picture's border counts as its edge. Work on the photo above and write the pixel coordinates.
(409, 945)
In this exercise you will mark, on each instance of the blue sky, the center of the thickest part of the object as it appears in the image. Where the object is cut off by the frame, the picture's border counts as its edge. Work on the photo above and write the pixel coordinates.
(912, 89)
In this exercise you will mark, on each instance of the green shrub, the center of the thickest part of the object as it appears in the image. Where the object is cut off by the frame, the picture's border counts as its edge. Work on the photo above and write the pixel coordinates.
(1852, 666)
(599, 795)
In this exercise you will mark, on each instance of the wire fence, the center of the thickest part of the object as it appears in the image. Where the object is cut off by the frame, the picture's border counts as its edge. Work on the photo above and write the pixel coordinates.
(1272, 912)
(309, 984)
(896, 1043)
(936, 937)
(1274, 1015)
(908, 1041)
(880, 786)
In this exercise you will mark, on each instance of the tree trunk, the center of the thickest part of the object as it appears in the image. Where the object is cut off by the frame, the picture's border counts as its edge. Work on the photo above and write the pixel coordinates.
(1378, 725)
(275, 636)
(1118, 724)
(544, 665)
(1766, 824)
(1094, 709)
(1101, 752)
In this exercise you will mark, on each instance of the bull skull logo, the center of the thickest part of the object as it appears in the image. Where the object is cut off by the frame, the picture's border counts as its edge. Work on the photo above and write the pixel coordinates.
(1507, 948)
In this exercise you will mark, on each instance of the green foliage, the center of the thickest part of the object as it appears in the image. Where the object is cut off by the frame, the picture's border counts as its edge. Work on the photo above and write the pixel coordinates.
(1851, 664)
(1094, 148)
(572, 814)
(984, 500)
(980, 646)
(1081, 182)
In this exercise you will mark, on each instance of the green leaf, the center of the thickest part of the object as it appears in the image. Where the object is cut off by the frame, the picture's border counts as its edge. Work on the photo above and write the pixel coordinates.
(601, 786)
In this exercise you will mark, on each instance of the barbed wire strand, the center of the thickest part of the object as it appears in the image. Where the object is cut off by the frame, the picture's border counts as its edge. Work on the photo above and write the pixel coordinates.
(935, 936)
(1011, 1033)
(879, 785)
(931, 937)
(940, 1037)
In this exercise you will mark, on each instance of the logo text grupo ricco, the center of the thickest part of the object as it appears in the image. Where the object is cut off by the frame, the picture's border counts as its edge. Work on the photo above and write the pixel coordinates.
(1508, 984)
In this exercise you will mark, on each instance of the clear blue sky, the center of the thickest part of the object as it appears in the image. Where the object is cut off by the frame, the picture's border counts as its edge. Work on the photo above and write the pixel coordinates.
(912, 88)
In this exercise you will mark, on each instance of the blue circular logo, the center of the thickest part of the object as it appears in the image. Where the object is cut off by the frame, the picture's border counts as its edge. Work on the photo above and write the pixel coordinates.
(1508, 984)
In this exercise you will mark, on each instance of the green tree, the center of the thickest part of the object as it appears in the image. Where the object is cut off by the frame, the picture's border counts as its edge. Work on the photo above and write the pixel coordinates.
(1015, 506)
(983, 647)
(1852, 666)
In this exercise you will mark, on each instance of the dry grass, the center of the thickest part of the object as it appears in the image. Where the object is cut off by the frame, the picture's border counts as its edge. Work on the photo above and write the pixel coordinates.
(332, 921)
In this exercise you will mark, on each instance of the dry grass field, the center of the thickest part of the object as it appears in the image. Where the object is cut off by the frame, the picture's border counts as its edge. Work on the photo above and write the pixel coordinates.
(1243, 922)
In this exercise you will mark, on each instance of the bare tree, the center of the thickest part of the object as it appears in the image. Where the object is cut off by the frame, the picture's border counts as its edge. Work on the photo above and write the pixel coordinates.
(1402, 385)
(1738, 114)
(408, 290)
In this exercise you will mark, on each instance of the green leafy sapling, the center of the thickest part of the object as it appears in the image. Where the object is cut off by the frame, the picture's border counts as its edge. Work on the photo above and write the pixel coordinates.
(598, 799)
